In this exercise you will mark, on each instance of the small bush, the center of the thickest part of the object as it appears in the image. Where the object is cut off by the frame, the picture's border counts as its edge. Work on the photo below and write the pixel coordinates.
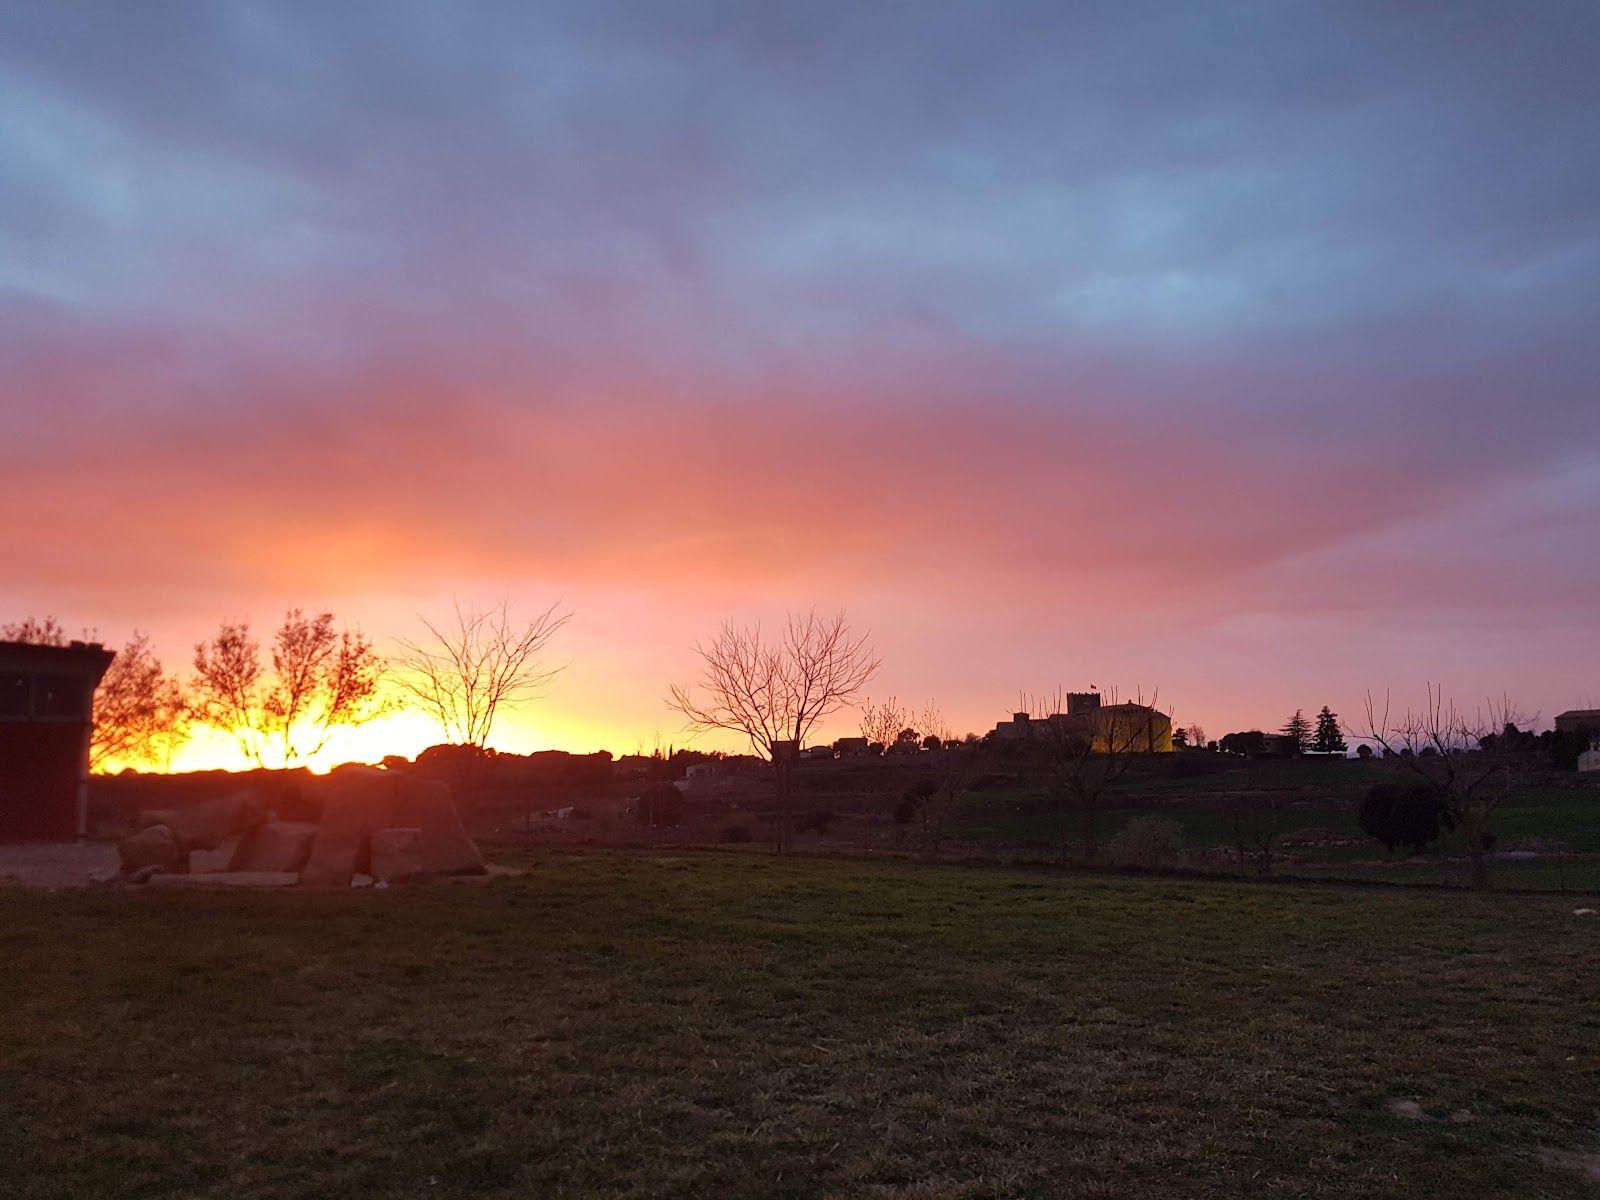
(818, 820)
(1147, 842)
(1403, 814)
(1196, 764)
(991, 781)
(660, 804)
(737, 831)
(911, 802)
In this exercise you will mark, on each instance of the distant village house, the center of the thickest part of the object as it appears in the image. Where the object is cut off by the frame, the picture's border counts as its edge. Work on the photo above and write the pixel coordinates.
(1129, 727)
(1579, 720)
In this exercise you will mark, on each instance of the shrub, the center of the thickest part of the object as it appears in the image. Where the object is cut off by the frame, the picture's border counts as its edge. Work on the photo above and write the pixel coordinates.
(1403, 814)
(905, 811)
(660, 804)
(737, 831)
(1197, 764)
(1147, 842)
(817, 819)
(991, 781)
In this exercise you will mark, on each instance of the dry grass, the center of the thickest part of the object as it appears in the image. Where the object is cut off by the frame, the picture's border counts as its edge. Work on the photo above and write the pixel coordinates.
(617, 1024)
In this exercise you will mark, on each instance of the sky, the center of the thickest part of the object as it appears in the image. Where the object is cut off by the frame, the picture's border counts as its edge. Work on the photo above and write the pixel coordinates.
(1244, 354)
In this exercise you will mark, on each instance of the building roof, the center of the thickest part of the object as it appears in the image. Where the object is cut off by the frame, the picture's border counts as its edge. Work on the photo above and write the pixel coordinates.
(75, 658)
(1579, 712)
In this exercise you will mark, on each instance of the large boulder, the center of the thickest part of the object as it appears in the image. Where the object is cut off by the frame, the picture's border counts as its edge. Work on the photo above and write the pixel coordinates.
(151, 849)
(274, 846)
(363, 801)
(206, 825)
(397, 855)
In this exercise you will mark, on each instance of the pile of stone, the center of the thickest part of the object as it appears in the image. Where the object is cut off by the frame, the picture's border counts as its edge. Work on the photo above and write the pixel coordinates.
(377, 827)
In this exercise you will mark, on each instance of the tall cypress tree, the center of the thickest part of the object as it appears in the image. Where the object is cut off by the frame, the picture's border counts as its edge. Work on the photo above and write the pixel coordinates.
(1298, 730)
(1329, 739)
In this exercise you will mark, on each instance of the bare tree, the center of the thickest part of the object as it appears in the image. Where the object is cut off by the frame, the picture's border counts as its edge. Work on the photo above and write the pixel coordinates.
(1088, 753)
(882, 723)
(945, 792)
(775, 690)
(1465, 758)
(1255, 827)
(140, 712)
(469, 668)
(321, 681)
(48, 632)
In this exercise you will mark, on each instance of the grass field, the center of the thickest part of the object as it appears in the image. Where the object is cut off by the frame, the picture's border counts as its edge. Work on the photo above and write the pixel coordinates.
(732, 1024)
(1313, 796)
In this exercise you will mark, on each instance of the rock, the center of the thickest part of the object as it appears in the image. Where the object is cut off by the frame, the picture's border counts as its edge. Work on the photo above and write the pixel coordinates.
(339, 851)
(397, 855)
(153, 849)
(207, 862)
(207, 825)
(229, 879)
(447, 849)
(363, 801)
(274, 846)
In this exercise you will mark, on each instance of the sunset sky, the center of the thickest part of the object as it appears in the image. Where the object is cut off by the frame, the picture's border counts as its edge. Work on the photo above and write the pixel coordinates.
(1248, 352)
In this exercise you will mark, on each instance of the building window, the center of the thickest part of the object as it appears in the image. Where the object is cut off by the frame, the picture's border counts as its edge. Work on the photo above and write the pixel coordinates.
(14, 692)
(59, 696)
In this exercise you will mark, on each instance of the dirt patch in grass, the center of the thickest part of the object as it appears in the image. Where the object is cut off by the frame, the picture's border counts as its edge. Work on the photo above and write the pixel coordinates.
(57, 864)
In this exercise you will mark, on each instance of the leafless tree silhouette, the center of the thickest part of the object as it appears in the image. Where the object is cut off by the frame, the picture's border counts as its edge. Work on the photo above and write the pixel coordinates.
(320, 681)
(1466, 758)
(470, 668)
(882, 723)
(141, 714)
(955, 766)
(775, 690)
(48, 632)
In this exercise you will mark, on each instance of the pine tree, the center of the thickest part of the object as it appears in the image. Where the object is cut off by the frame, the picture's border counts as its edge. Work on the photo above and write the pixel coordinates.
(1329, 739)
(1298, 730)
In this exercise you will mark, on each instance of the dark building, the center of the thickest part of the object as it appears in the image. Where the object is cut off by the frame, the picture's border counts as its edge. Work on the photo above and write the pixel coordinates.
(1580, 721)
(46, 717)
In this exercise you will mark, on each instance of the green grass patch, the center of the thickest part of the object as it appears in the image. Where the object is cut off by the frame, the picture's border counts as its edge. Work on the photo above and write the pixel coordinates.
(732, 1024)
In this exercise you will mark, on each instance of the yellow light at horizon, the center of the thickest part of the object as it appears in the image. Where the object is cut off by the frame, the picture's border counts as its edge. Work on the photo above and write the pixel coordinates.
(405, 733)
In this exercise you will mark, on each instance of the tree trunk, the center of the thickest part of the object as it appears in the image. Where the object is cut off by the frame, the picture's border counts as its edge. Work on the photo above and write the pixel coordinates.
(1480, 866)
(1061, 827)
(781, 835)
(1088, 805)
(1472, 825)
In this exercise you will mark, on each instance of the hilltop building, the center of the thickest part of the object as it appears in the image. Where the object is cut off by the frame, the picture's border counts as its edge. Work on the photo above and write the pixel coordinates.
(46, 719)
(1579, 720)
(1136, 728)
